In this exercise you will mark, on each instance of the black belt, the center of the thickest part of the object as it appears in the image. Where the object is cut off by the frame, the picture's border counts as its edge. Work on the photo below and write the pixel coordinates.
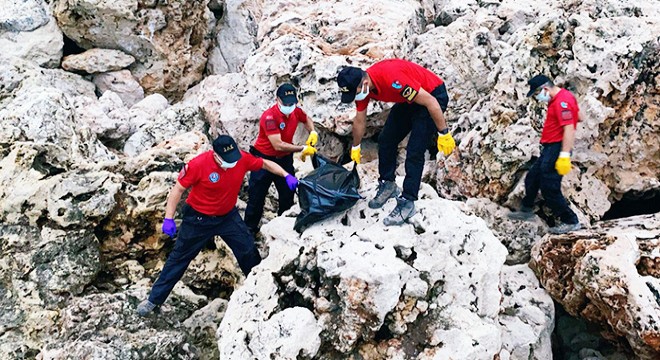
(258, 153)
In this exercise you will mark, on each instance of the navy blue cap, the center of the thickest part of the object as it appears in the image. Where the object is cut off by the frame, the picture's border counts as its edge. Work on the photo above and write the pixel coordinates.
(226, 148)
(536, 82)
(349, 79)
(287, 93)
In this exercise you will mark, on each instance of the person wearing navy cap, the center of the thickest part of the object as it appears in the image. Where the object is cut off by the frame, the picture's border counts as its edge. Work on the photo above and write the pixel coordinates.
(274, 142)
(215, 178)
(421, 99)
(554, 162)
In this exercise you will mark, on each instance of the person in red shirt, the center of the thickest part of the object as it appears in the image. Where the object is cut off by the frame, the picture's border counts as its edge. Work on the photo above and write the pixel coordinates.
(554, 162)
(277, 126)
(215, 178)
(421, 99)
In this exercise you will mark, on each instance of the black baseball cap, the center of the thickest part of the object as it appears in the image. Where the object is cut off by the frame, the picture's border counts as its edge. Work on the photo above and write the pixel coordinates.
(349, 79)
(287, 93)
(536, 82)
(226, 148)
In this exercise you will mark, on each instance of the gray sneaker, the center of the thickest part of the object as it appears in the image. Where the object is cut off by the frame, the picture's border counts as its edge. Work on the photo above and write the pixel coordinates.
(145, 307)
(403, 211)
(563, 228)
(386, 190)
(524, 214)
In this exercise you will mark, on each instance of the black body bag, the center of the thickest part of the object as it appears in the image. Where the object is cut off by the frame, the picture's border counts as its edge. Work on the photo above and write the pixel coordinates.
(325, 191)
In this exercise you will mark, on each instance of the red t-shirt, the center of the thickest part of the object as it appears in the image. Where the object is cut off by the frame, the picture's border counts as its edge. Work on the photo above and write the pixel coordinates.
(274, 122)
(398, 81)
(214, 189)
(562, 110)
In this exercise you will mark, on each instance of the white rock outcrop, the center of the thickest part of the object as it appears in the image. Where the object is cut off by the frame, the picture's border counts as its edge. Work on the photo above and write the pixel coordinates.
(609, 275)
(29, 31)
(349, 285)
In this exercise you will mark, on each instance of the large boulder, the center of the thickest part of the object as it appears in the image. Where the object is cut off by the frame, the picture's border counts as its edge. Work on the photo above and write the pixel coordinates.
(349, 285)
(608, 275)
(95, 61)
(168, 39)
(29, 31)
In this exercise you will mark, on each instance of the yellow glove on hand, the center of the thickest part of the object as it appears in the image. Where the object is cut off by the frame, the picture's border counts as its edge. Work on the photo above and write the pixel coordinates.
(356, 154)
(563, 164)
(307, 151)
(446, 143)
(313, 138)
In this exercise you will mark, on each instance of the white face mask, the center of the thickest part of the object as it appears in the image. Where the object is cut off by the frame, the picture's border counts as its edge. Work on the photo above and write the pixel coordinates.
(286, 110)
(543, 96)
(227, 165)
(362, 95)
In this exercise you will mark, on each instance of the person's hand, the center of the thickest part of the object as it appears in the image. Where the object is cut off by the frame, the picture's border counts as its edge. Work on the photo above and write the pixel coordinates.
(291, 181)
(308, 150)
(563, 163)
(446, 143)
(356, 154)
(169, 227)
(312, 139)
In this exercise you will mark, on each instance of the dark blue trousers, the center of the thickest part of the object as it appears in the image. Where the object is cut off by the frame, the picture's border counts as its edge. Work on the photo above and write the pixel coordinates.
(196, 231)
(543, 176)
(403, 119)
(258, 189)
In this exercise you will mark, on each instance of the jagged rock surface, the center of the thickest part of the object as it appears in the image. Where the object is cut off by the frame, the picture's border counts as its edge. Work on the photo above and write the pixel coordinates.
(169, 40)
(349, 285)
(29, 31)
(608, 275)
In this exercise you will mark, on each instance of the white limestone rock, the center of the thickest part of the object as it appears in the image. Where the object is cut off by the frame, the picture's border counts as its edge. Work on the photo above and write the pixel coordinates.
(168, 124)
(95, 61)
(517, 236)
(29, 31)
(122, 83)
(608, 275)
(168, 39)
(431, 284)
(527, 315)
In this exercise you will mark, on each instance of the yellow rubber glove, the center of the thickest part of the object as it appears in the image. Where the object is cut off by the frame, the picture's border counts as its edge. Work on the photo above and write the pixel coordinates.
(313, 138)
(563, 164)
(446, 143)
(356, 154)
(307, 151)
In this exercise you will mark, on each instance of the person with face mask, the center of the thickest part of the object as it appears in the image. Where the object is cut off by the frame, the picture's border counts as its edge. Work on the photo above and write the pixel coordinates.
(557, 139)
(421, 99)
(215, 178)
(274, 142)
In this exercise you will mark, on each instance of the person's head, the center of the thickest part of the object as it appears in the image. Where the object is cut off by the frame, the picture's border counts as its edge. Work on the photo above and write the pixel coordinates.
(350, 80)
(225, 151)
(542, 88)
(287, 98)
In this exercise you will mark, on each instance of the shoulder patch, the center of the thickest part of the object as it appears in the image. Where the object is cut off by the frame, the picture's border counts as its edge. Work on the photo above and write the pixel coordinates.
(408, 93)
(183, 172)
(564, 105)
(271, 125)
(566, 115)
(397, 85)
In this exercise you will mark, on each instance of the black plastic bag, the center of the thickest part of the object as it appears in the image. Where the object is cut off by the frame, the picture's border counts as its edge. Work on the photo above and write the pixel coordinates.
(325, 191)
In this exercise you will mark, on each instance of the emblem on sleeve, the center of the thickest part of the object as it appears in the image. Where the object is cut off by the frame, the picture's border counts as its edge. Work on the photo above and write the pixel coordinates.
(397, 85)
(183, 172)
(566, 115)
(214, 177)
(564, 105)
(408, 93)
